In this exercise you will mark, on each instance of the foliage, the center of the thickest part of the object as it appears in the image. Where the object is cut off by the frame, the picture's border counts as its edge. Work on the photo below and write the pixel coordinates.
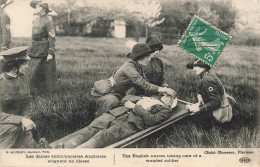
(169, 18)
(147, 12)
(178, 15)
(246, 37)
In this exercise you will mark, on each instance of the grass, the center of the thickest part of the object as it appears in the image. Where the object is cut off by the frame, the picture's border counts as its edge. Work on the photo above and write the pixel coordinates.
(81, 61)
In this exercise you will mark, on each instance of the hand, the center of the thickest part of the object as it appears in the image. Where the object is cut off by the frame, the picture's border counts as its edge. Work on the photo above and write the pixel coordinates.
(171, 92)
(165, 85)
(27, 124)
(1, 57)
(194, 108)
(200, 100)
(49, 57)
(129, 105)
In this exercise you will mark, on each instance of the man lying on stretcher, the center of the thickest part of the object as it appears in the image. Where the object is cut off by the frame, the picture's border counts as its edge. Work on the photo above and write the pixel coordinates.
(124, 121)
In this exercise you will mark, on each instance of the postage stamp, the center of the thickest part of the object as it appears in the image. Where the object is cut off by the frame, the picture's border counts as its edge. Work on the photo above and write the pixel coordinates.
(204, 41)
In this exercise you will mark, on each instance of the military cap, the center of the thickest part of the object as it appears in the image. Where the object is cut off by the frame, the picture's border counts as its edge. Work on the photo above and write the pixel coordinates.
(198, 63)
(154, 43)
(44, 5)
(139, 50)
(34, 3)
(15, 53)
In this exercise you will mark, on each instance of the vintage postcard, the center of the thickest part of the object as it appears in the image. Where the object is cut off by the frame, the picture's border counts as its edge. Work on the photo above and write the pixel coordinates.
(129, 83)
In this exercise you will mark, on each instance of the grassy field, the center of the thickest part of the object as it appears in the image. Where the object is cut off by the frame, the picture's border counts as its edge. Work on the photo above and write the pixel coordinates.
(81, 61)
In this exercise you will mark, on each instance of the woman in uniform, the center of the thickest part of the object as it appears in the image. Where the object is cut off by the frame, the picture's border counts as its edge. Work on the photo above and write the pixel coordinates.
(42, 64)
(5, 33)
(154, 70)
(15, 122)
(210, 94)
(128, 75)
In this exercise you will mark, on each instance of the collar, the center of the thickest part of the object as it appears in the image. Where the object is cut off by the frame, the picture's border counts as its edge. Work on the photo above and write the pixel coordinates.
(204, 73)
(8, 77)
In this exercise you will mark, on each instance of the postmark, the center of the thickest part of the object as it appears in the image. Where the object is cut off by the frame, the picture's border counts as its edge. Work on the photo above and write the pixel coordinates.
(204, 41)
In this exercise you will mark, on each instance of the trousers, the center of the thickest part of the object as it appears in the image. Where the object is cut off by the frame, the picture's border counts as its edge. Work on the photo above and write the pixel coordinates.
(103, 131)
(106, 103)
(12, 136)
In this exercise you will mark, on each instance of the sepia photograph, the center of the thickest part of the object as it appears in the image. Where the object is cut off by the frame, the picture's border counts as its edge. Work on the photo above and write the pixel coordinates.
(151, 82)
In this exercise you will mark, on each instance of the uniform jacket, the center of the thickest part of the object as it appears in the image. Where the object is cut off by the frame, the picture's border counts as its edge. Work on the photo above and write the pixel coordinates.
(43, 36)
(154, 71)
(211, 91)
(130, 74)
(143, 118)
(14, 98)
(5, 34)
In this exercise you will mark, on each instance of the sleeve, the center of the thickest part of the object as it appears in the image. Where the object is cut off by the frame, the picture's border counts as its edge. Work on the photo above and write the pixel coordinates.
(198, 90)
(9, 118)
(138, 80)
(51, 36)
(213, 94)
(131, 98)
(27, 110)
(164, 83)
(6, 33)
(152, 119)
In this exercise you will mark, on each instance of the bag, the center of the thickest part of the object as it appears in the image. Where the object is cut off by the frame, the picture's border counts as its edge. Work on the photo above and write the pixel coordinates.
(224, 113)
(101, 88)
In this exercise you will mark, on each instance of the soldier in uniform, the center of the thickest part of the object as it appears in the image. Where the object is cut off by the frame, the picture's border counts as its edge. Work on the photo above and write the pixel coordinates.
(209, 95)
(128, 75)
(5, 34)
(15, 121)
(42, 64)
(124, 121)
(154, 70)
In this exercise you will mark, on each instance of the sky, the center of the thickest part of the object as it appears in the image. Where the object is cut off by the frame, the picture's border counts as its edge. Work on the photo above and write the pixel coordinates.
(21, 13)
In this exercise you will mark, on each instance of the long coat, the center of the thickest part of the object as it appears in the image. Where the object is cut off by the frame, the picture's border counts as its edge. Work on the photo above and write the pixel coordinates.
(5, 33)
(42, 74)
(14, 104)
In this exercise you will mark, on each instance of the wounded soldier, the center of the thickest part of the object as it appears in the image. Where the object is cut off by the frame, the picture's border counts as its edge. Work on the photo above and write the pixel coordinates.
(124, 121)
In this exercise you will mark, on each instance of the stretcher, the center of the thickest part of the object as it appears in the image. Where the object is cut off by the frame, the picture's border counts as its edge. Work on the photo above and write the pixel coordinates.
(179, 113)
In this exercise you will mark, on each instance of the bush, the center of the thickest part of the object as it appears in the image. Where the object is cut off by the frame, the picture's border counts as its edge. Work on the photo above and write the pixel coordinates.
(246, 38)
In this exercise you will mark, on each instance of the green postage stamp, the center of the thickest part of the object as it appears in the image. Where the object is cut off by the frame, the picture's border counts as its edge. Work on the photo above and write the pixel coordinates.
(204, 41)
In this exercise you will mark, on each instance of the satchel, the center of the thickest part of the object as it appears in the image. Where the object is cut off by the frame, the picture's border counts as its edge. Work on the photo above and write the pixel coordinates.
(101, 88)
(224, 113)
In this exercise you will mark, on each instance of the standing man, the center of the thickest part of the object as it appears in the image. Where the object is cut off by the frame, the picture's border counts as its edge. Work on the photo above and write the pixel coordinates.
(5, 34)
(42, 65)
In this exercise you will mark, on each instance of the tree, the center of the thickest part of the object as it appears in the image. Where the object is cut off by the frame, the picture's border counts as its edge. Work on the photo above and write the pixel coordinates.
(147, 12)
(178, 15)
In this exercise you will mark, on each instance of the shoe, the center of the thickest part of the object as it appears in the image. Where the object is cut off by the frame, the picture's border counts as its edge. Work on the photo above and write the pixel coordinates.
(60, 145)
(43, 143)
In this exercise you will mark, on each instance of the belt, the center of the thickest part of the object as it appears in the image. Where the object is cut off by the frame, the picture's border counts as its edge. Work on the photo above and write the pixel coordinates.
(40, 39)
(112, 81)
